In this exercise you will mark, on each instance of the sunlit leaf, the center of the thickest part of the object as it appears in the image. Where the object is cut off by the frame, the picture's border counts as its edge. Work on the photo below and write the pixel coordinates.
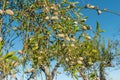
(10, 54)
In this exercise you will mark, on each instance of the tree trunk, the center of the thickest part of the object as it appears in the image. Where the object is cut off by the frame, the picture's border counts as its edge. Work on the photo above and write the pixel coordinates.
(102, 72)
(49, 77)
(48, 74)
(83, 76)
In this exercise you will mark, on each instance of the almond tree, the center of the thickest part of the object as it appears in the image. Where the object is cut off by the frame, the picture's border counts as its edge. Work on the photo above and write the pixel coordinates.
(54, 31)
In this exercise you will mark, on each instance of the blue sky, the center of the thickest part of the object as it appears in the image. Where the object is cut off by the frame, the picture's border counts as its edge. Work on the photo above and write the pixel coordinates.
(108, 21)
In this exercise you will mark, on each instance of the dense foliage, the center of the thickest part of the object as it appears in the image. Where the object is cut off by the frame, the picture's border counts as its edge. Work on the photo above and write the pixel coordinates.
(53, 35)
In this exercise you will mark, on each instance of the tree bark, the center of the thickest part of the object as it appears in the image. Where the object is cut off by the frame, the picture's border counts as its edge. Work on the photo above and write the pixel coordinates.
(49, 75)
(102, 72)
(82, 74)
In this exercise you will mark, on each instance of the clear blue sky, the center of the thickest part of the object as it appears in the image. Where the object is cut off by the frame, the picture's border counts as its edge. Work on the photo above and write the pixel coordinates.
(108, 21)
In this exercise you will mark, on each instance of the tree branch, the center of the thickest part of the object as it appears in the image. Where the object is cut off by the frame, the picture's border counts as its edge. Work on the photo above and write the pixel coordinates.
(82, 75)
(55, 69)
(44, 68)
(31, 76)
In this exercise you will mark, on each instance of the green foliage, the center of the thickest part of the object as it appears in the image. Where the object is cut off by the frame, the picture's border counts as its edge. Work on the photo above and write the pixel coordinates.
(53, 31)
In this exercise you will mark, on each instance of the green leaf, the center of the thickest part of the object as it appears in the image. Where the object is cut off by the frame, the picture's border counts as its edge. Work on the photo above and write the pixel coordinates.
(13, 58)
(10, 54)
(76, 77)
(98, 27)
(102, 31)
(76, 28)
